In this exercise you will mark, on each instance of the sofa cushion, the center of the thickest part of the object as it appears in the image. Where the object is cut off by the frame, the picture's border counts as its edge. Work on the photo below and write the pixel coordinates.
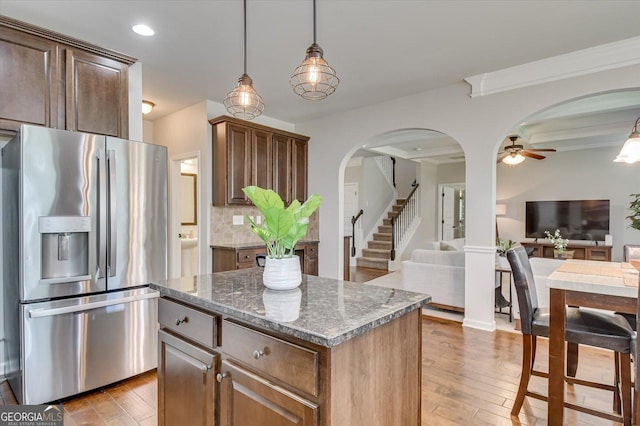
(438, 257)
(451, 245)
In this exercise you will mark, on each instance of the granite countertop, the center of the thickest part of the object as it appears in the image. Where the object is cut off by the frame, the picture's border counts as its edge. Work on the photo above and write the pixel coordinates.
(321, 310)
(239, 246)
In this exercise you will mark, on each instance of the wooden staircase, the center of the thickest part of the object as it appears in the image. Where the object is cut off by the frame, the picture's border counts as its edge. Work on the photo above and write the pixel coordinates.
(378, 251)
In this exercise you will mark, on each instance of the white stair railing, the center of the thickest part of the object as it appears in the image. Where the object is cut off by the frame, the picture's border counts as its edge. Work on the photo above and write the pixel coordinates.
(404, 218)
(386, 165)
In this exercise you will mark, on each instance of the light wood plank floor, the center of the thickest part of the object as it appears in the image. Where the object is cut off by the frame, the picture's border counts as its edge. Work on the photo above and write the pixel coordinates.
(470, 377)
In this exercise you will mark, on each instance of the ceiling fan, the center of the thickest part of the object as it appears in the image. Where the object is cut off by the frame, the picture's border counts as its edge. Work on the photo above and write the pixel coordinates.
(515, 153)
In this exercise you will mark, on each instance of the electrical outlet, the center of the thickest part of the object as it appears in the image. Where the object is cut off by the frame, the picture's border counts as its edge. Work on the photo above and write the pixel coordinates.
(238, 219)
(258, 220)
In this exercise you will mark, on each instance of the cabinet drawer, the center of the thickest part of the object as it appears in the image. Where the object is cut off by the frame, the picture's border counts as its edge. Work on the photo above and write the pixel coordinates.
(191, 323)
(247, 257)
(285, 361)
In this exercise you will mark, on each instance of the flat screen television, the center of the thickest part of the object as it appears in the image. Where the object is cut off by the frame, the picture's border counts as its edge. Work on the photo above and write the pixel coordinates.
(576, 219)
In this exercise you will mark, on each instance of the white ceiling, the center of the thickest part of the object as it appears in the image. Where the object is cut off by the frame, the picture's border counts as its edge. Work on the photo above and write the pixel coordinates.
(381, 49)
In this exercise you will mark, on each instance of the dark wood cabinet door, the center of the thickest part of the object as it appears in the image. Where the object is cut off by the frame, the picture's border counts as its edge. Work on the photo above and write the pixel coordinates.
(96, 94)
(29, 80)
(282, 166)
(311, 259)
(299, 170)
(238, 163)
(186, 382)
(249, 399)
(261, 159)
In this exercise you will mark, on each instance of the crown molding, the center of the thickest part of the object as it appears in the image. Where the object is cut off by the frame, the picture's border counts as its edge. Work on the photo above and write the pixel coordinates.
(581, 62)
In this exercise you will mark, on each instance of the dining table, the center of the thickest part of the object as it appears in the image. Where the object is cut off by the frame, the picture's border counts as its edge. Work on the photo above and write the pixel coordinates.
(612, 286)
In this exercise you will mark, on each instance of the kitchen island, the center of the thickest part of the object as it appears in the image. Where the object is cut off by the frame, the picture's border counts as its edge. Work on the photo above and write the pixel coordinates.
(329, 352)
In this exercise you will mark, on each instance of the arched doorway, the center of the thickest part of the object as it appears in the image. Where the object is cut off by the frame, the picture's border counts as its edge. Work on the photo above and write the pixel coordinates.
(402, 163)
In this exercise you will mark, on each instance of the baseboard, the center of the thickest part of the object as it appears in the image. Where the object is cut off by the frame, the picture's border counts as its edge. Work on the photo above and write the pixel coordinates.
(480, 325)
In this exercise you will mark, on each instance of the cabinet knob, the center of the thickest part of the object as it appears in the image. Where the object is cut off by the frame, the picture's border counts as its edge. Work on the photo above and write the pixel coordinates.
(257, 354)
(221, 376)
(206, 368)
(180, 321)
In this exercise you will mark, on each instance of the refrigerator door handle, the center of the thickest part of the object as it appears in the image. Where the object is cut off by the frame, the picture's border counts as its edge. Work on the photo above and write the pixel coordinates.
(39, 313)
(102, 215)
(113, 234)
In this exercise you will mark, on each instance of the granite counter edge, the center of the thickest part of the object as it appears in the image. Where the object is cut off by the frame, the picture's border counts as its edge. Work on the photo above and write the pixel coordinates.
(289, 329)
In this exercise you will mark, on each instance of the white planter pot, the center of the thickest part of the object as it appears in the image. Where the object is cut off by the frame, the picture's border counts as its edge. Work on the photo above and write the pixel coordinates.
(282, 274)
(282, 305)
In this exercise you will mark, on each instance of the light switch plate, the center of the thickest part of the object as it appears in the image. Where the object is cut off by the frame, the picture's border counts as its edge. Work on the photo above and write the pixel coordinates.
(258, 220)
(238, 219)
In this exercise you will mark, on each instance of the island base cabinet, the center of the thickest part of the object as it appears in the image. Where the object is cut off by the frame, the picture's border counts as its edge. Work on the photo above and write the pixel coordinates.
(186, 382)
(249, 399)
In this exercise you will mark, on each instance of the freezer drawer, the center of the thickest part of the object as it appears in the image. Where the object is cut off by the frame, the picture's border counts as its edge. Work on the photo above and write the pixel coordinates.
(75, 345)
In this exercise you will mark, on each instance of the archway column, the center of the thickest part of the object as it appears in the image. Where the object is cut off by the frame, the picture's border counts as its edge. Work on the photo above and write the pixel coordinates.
(480, 234)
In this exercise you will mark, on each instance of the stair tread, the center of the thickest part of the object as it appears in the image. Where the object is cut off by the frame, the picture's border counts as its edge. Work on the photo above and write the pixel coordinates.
(376, 250)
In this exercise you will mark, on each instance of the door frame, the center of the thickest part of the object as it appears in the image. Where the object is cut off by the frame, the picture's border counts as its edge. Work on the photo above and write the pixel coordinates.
(457, 185)
(175, 255)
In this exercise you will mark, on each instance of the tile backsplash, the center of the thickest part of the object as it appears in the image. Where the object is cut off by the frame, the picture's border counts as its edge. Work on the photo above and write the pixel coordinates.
(223, 230)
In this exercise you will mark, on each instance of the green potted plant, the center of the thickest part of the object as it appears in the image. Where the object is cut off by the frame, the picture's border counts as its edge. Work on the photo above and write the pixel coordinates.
(634, 206)
(281, 230)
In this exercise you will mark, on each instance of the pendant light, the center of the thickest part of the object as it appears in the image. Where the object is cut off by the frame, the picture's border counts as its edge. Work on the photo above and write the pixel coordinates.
(630, 152)
(243, 101)
(314, 79)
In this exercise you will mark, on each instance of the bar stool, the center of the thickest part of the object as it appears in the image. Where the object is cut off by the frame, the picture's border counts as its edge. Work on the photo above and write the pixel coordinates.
(583, 327)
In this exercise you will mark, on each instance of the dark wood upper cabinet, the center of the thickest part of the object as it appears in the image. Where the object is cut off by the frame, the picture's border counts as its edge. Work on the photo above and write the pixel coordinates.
(53, 80)
(282, 166)
(97, 93)
(239, 163)
(28, 84)
(299, 170)
(246, 154)
(261, 159)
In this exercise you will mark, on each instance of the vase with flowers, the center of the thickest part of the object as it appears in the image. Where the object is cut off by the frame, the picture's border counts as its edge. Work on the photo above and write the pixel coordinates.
(559, 244)
(281, 230)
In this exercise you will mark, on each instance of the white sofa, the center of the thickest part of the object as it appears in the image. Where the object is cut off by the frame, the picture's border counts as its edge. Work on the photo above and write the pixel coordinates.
(438, 272)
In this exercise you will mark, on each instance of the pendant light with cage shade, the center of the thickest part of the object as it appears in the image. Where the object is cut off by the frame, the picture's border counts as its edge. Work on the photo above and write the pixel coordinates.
(243, 101)
(314, 79)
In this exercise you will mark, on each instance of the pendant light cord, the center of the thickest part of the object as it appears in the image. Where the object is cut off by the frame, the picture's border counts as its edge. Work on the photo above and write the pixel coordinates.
(314, 21)
(245, 35)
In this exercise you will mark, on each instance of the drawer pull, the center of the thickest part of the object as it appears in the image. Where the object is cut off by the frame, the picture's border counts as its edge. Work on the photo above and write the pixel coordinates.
(221, 376)
(180, 321)
(257, 354)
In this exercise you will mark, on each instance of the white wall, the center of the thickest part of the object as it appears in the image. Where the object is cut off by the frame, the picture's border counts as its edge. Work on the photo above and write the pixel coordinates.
(147, 131)
(188, 132)
(376, 193)
(486, 121)
(570, 175)
(406, 173)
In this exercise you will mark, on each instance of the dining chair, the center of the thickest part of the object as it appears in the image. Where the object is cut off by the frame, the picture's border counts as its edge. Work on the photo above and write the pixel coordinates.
(583, 327)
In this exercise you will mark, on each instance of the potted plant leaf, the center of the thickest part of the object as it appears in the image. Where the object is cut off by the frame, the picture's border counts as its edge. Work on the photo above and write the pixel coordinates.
(281, 230)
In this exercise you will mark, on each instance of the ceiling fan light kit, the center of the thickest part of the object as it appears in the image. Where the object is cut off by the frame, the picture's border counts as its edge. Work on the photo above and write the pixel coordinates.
(630, 152)
(513, 159)
(314, 79)
(515, 153)
(243, 101)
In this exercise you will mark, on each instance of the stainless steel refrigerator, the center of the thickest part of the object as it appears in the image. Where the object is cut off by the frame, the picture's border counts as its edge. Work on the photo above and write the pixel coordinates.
(84, 232)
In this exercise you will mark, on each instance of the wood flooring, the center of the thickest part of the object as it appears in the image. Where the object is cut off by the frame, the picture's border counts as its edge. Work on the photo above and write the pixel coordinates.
(469, 377)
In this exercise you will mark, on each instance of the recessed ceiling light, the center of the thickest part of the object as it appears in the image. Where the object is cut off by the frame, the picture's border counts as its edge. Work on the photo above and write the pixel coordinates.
(143, 30)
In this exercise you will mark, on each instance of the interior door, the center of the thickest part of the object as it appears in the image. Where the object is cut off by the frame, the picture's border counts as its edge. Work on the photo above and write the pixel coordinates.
(448, 213)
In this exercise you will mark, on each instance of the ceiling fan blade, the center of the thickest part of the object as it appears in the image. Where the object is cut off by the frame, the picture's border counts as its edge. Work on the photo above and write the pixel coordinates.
(526, 153)
(542, 149)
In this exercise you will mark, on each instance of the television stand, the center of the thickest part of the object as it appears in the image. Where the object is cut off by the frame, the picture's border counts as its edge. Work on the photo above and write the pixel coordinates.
(580, 251)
